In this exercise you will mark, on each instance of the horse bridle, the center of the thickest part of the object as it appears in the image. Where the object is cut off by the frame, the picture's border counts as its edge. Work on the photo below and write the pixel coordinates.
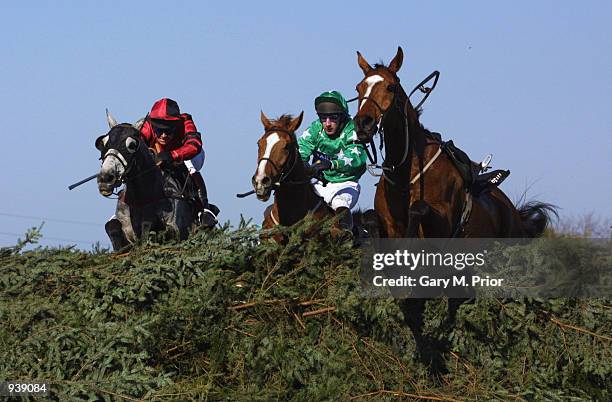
(127, 166)
(380, 130)
(404, 112)
(283, 173)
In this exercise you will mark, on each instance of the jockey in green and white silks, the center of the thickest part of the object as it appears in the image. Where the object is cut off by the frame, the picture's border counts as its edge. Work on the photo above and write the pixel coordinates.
(344, 161)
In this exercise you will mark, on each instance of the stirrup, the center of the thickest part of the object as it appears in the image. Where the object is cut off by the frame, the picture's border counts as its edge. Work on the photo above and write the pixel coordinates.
(484, 165)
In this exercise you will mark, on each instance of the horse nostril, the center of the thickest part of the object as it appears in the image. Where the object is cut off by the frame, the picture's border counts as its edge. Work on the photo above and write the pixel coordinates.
(108, 177)
(364, 122)
(266, 181)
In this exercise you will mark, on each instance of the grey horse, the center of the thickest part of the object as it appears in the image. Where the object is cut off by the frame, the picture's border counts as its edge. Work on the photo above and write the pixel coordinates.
(152, 199)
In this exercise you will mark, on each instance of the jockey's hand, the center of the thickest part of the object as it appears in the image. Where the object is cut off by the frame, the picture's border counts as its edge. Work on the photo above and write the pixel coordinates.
(319, 156)
(318, 167)
(163, 159)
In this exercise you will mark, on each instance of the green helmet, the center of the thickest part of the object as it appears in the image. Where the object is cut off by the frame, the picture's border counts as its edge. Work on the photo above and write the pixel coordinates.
(331, 102)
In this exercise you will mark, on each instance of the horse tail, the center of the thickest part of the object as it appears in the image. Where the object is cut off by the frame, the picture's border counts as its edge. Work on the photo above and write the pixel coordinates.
(536, 217)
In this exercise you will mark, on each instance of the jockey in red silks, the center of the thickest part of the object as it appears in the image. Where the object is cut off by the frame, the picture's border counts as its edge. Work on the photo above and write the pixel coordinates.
(176, 139)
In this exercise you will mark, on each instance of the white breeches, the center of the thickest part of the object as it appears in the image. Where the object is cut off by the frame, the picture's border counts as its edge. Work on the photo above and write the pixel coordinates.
(195, 164)
(338, 195)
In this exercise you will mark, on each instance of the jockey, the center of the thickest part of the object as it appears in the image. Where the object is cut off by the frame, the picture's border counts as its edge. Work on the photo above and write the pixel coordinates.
(175, 138)
(338, 156)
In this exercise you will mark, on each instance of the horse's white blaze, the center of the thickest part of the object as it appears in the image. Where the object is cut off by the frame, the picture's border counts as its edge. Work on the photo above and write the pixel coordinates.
(371, 81)
(261, 169)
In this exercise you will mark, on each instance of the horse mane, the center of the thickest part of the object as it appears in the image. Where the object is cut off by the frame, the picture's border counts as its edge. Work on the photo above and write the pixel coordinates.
(283, 120)
(123, 125)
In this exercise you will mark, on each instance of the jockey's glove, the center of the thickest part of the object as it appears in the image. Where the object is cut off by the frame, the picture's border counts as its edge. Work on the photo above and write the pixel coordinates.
(163, 159)
(318, 167)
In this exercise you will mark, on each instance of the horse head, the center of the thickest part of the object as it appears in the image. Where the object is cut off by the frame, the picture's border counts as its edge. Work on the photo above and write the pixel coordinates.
(118, 149)
(277, 154)
(377, 92)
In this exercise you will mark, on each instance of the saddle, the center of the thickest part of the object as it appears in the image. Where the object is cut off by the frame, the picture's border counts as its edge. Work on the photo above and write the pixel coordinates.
(475, 176)
(178, 184)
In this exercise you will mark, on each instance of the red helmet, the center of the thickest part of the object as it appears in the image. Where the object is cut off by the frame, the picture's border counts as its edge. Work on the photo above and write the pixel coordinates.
(165, 109)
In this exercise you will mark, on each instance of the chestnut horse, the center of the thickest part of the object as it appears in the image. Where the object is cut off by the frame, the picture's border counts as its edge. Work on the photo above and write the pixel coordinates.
(421, 191)
(280, 168)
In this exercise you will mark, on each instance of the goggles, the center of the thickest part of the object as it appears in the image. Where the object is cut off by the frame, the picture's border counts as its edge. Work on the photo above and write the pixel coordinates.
(335, 117)
(160, 129)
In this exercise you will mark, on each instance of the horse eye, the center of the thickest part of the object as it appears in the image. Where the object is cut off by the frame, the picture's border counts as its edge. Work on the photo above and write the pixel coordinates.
(391, 87)
(131, 144)
(101, 142)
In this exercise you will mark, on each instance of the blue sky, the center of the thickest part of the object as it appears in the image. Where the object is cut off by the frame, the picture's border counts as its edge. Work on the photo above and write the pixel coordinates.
(530, 82)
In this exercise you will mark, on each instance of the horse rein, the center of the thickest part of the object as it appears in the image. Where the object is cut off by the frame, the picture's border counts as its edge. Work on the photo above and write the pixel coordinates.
(282, 173)
(467, 205)
(127, 167)
(380, 130)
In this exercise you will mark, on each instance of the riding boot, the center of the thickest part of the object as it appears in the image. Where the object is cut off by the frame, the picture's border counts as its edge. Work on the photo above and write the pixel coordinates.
(208, 213)
(345, 220)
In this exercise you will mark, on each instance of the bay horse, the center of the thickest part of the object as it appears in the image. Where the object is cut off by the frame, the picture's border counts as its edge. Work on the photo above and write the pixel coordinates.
(421, 192)
(152, 199)
(280, 169)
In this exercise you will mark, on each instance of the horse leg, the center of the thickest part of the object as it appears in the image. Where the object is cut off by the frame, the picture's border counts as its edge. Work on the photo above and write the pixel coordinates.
(119, 228)
(169, 218)
(417, 213)
(115, 234)
(183, 218)
(390, 225)
(269, 223)
(368, 224)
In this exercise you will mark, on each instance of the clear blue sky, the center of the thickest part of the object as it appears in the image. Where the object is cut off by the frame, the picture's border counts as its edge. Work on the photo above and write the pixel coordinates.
(530, 82)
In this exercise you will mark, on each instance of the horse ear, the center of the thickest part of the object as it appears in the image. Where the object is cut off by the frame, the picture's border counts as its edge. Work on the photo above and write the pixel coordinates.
(139, 123)
(110, 119)
(396, 63)
(295, 123)
(264, 120)
(365, 66)
(101, 142)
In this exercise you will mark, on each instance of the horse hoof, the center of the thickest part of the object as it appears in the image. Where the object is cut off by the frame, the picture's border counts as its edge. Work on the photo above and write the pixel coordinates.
(207, 219)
